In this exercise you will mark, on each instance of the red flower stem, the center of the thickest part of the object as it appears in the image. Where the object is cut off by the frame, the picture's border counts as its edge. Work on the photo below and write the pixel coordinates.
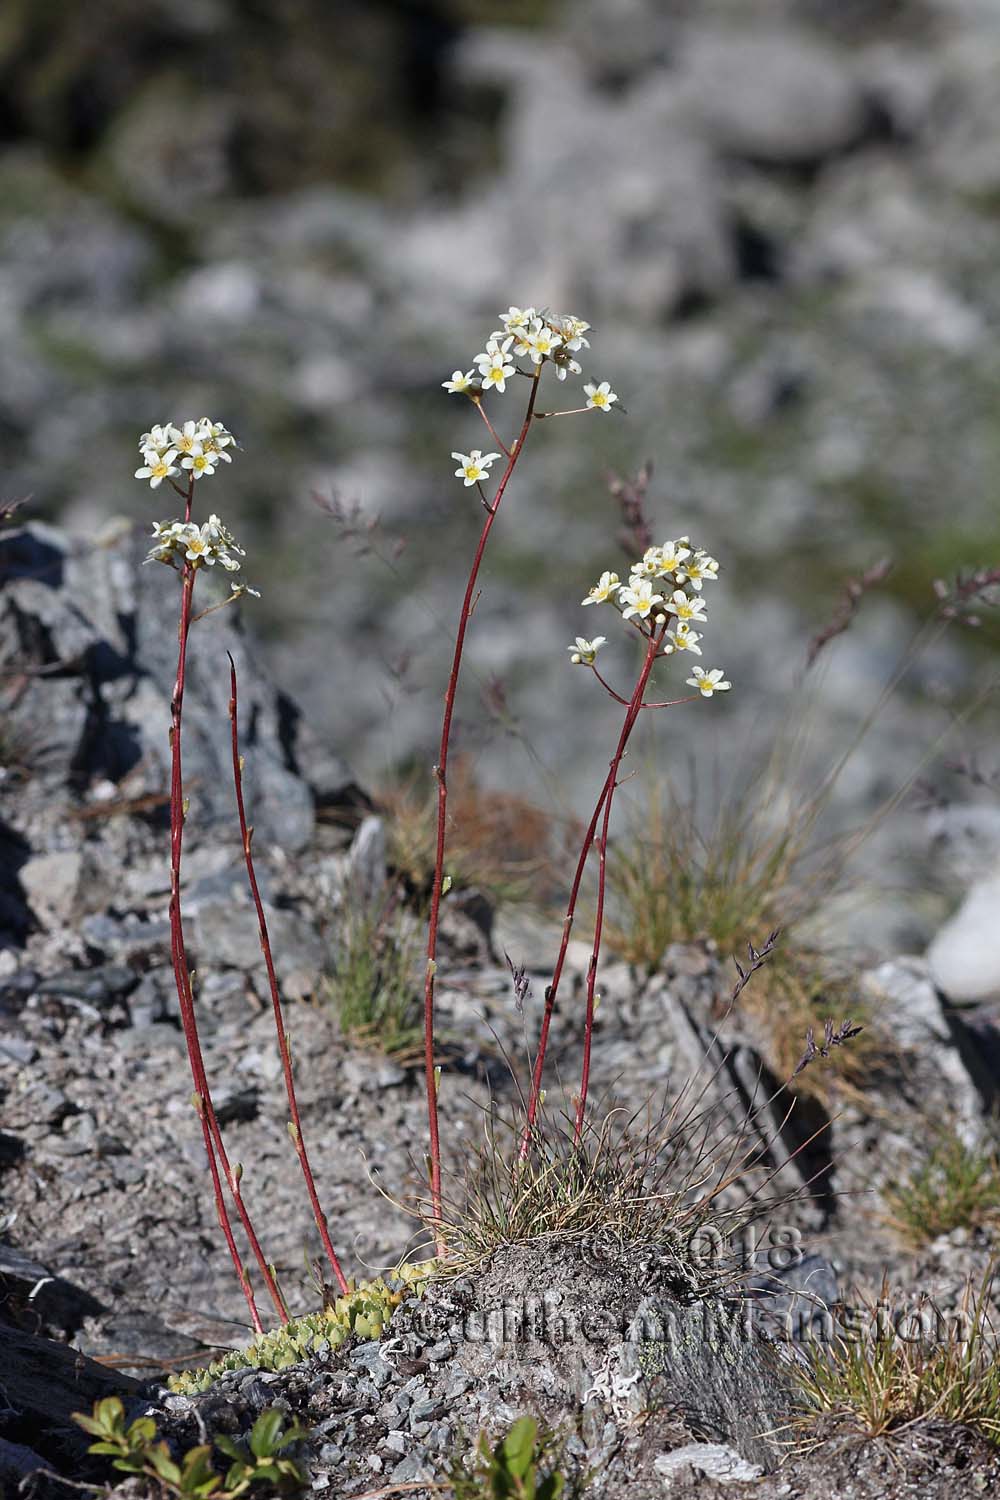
(182, 977)
(602, 853)
(441, 772)
(673, 702)
(616, 696)
(477, 402)
(295, 1124)
(634, 707)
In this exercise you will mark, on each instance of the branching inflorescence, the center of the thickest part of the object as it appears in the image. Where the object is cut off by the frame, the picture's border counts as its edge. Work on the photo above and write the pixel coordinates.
(662, 602)
(189, 549)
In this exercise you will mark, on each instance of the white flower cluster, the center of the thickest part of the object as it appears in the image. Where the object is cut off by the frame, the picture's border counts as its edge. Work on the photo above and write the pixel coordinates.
(538, 337)
(666, 583)
(203, 546)
(196, 447)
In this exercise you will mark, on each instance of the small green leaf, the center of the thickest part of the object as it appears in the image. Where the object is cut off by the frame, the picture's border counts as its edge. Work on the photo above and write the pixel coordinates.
(264, 1433)
(519, 1446)
(159, 1457)
(231, 1448)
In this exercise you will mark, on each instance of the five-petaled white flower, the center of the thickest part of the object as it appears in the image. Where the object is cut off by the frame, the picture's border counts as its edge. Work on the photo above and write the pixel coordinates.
(187, 439)
(572, 330)
(699, 569)
(158, 467)
(517, 317)
(672, 555)
(584, 652)
(202, 462)
(496, 366)
(607, 584)
(600, 396)
(540, 341)
(684, 639)
(686, 608)
(460, 382)
(157, 439)
(474, 466)
(639, 598)
(708, 683)
(651, 565)
(215, 438)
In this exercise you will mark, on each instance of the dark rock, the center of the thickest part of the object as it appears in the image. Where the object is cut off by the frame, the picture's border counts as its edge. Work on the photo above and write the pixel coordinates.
(44, 1383)
(36, 1300)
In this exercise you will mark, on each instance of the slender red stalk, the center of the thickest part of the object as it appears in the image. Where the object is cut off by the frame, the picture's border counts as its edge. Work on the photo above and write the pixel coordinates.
(441, 772)
(215, 1148)
(295, 1123)
(493, 432)
(635, 707)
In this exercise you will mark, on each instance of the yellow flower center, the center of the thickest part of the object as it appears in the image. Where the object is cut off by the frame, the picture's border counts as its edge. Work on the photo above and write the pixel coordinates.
(159, 470)
(472, 471)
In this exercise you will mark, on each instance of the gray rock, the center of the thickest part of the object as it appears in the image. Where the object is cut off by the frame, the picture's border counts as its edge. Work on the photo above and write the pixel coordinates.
(51, 883)
(110, 624)
(366, 869)
(773, 95)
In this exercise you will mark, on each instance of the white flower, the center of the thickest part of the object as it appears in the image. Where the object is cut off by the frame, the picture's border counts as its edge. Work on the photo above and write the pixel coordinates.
(686, 608)
(186, 439)
(156, 439)
(672, 554)
(170, 537)
(540, 341)
(215, 438)
(607, 584)
(202, 462)
(474, 466)
(459, 382)
(600, 396)
(199, 549)
(517, 317)
(699, 570)
(158, 466)
(650, 567)
(572, 330)
(239, 589)
(639, 598)
(684, 639)
(584, 652)
(495, 366)
(708, 683)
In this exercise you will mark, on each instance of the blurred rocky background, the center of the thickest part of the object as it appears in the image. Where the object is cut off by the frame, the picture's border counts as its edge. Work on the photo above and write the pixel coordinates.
(783, 220)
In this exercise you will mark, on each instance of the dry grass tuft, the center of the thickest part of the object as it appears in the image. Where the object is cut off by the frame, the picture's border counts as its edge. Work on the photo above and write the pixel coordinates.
(682, 1177)
(954, 1186)
(883, 1381)
(497, 842)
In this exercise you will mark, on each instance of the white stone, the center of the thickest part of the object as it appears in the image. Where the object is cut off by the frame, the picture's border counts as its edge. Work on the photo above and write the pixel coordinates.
(51, 883)
(714, 1460)
(964, 958)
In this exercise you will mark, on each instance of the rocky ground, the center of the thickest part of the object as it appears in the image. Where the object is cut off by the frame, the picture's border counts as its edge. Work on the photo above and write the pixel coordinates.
(109, 1237)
